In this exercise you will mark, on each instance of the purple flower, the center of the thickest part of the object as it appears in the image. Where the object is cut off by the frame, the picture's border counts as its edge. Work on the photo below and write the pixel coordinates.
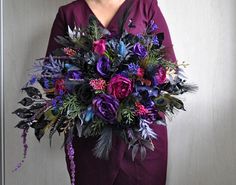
(74, 75)
(33, 79)
(105, 107)
(46, 83)
(133, 68)
(140, 36)
(152, 26)
(103, 66)
(140, 50)
(155, 40)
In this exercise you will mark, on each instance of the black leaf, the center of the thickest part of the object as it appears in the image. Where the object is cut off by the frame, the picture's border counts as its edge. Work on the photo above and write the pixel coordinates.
(26, 101)
(23, 113)
(39, 133)
(32, 92)
(24, 124)
(37, 106)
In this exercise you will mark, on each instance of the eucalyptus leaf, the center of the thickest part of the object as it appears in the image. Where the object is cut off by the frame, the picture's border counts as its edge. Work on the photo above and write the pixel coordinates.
(149, 144)
(134, 150)
(143, 152)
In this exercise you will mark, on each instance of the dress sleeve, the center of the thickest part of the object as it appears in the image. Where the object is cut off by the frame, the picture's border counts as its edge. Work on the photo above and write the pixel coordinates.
(59, 27)
(156, 14)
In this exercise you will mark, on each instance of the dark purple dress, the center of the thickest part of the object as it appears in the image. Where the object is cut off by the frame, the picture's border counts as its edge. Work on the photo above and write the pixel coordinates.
(119, 169)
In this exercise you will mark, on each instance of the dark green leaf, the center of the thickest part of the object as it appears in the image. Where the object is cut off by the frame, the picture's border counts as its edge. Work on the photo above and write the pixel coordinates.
(39, 133)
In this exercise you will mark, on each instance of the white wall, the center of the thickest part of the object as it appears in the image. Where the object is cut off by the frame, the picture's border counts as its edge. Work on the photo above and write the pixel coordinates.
(202, 144)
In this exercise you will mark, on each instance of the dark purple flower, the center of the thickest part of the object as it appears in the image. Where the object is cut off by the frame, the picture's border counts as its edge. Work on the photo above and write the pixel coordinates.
(105, 107)
(33, 79)
(140, 50)
(140, 36)
(46, 83)
(133, 68)
(103, 66)
(74, 75)
(84, 93)
(155, 40)
(152, 26)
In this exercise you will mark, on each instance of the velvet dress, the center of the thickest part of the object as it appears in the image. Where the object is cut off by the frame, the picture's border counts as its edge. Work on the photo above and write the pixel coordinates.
(119, 169)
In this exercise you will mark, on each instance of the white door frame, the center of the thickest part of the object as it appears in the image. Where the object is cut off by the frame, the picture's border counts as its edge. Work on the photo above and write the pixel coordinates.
(2, 138)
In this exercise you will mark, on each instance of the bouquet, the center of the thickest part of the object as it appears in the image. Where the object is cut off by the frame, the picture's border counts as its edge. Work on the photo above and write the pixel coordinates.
(97, 85)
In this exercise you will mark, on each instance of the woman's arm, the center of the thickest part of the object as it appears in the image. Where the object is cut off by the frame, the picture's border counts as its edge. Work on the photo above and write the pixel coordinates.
(59, 27)
(156, 14)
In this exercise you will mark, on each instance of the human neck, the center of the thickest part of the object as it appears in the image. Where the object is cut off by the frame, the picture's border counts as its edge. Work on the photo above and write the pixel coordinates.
(102, 1)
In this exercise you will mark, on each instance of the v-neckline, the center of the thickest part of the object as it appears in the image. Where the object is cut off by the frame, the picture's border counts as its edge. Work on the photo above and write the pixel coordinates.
(112, 19)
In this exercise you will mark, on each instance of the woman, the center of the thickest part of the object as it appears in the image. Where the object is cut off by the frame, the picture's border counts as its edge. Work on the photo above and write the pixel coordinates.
(119, 169)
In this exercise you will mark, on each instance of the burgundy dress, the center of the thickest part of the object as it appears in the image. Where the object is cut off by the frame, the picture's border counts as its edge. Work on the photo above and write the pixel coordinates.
(119, 169)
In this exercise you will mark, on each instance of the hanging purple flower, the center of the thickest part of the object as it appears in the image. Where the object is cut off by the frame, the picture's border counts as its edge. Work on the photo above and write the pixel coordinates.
(103, 66)
(140, 50)
(70, 153)
(24, 136)
(105, 107)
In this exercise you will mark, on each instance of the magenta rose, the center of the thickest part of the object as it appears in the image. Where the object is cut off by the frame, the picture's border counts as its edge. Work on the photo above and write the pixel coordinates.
(120, 87)
(161, 75)
(99, 46)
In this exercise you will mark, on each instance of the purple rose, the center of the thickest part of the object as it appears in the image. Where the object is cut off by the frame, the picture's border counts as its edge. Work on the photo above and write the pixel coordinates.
(103, 66)
(140, 50)
(105, 107)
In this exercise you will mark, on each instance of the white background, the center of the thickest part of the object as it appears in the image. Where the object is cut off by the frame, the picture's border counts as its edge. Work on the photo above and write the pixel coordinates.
(202, 142)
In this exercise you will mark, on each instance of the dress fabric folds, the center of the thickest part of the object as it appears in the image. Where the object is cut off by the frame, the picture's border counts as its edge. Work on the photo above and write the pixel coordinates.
(119, 169)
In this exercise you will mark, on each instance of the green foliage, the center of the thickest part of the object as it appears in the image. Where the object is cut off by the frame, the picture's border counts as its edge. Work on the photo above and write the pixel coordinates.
(156, 58)
(72, 107)
(95, 31)
(126, 112)
(97, 127)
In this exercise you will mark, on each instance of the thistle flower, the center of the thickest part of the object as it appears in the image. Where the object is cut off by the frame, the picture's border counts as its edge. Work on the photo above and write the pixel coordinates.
(70, 52)
(140, 109)
(133, 68)
(98, 84)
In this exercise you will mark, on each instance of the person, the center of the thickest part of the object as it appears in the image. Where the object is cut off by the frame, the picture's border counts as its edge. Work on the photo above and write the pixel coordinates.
(119, 169)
